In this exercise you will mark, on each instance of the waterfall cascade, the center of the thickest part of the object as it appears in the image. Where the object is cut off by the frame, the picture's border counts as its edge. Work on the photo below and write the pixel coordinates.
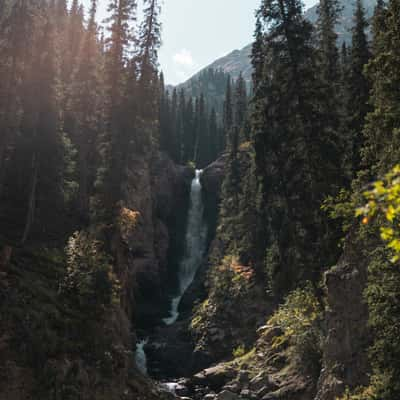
(195, 246)
(140, 357)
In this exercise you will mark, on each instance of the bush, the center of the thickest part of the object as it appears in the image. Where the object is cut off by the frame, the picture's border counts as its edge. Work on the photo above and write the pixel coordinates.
(232, 279)
(298, 318)
(359, 394)
(240, 351)
(89, 277)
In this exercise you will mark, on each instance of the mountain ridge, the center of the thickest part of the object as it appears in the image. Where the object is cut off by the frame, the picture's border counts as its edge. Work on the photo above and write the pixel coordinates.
(238, 60)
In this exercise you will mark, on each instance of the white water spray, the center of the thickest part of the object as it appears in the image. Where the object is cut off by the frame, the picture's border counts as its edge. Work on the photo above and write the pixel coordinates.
(195, 246)
(140, 357)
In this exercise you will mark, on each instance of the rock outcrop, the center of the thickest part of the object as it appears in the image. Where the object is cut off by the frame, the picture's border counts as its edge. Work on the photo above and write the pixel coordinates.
(211, 181)
(345, 360)
(158, 191)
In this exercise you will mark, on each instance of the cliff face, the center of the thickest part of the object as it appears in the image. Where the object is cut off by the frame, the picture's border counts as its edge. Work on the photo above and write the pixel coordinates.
(345, 361)
(157, 190)
(54, 346)
(211, 181)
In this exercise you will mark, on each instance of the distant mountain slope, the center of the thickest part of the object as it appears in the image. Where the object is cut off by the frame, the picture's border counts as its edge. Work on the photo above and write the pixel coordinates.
(235, 62)
(346, 21)
(239, 60)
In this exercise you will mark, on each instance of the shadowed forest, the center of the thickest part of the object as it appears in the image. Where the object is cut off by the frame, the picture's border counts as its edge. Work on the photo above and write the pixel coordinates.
(235, 237)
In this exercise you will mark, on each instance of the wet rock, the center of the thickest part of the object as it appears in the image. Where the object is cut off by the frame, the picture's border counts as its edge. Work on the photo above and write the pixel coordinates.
(210, 396)
(176, 388)
(270, 396)
(233, 387)
(226, 395)
(244, 377)
(213, 176)
(170, 351)
(215, 377)
(181, 390)
(262, 384)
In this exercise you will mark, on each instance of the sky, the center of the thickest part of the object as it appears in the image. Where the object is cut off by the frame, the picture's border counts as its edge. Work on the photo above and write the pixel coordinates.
(197, 32)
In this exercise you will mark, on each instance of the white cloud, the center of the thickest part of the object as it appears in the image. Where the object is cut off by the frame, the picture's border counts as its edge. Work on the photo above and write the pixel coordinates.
(184, 58)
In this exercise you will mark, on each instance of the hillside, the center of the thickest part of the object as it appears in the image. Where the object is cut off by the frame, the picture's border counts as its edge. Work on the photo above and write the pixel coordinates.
(239, 60)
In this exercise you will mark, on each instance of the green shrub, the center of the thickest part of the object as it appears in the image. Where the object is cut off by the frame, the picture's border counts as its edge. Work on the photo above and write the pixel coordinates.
(366, 393)
(89, 278)
(298, 318)
(240, 351)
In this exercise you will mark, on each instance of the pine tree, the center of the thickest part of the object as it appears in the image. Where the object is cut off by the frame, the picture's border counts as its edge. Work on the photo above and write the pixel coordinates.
(181, 125)
(15, 51)
(257, 53)
(41, 142)
(213, 136)
(87, 109)
(240, 109)
(189, 129)
(328, 15)
(164, 117)
(229, 208)
(359, 86)
(295, 157)
(329, 90)
(202, 143)
(378, 24)
(196, 129)
(74, 35)
(380, 152)
(173, 141)
(228, 117)
(115, 142)
(149, 42)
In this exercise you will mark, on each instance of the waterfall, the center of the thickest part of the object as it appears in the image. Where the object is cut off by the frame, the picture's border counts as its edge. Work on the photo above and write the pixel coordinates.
(195, 246)
(140, 357)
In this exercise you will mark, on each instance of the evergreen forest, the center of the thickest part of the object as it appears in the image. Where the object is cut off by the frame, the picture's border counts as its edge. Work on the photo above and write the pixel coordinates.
(219, 239)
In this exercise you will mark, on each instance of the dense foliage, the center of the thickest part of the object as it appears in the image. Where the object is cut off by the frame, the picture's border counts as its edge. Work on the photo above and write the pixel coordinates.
(323, 123)
(76, 105)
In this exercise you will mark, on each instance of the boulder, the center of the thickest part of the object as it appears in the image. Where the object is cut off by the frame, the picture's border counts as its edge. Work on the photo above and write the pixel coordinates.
(226, 395)
(233, 387)
(215, 377)
(262, 383)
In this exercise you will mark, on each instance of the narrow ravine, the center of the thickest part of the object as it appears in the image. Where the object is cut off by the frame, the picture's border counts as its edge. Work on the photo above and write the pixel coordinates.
(195, 247)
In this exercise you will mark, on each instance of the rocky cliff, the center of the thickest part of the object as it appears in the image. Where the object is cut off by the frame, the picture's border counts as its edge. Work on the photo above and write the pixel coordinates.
(345, 360)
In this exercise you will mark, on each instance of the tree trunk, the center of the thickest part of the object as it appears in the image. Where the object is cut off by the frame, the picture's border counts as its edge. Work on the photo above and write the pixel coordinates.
(2, 163)
(83, 184)
(32, 200)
